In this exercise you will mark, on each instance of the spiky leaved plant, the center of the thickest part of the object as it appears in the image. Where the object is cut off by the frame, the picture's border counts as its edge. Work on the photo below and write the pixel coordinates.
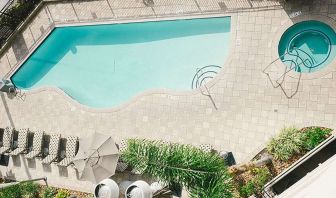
(287, 143)
(203, 174)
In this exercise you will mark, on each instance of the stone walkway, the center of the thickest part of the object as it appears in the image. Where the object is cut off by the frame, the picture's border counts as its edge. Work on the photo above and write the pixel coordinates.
(250, 110)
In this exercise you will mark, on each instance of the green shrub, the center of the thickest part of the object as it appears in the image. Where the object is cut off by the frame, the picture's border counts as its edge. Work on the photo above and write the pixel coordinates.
(203, 174)
(12, 191)
(49, 192)
(26, 190)
(313, 136)
(62, 194)
(30, 189)
(289, 142)
(260, 176)
(248, 189)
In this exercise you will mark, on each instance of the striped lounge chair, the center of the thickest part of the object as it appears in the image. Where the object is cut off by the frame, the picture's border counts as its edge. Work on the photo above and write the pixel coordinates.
(53, 149)
(70, 151)
(7, 140)
(22, 142)
(37, 145)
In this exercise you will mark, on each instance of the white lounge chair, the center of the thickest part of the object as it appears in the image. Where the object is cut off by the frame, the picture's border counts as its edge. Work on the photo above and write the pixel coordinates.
(37, 145)
(22, 142)
(70, 151)
(53, 149)
(7, 140)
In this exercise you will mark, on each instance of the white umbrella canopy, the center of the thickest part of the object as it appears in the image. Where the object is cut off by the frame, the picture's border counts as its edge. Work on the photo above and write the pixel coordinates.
(97, 157)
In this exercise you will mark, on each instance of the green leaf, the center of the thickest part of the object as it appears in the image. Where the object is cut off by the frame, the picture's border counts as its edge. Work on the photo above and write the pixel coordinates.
(203, 174)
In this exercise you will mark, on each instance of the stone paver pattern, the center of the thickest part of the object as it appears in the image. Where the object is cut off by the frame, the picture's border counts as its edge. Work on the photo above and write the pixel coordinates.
(250, 111)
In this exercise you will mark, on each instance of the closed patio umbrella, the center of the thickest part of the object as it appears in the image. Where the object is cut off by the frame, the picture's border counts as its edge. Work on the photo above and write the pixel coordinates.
(97, 157)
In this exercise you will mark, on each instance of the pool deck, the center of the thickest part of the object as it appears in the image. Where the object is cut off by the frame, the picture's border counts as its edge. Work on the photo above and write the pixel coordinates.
(250, 111)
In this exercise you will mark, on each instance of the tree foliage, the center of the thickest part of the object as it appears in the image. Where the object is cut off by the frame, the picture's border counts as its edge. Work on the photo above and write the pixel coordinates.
(27, 190)
(203, 174)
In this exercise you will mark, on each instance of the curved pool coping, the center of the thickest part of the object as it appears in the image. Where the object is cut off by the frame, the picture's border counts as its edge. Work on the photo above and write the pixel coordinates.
(297, 36)
(136, 97)
(290, 22)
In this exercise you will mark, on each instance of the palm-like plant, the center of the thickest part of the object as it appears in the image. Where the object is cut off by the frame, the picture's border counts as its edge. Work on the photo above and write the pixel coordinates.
(203, 174)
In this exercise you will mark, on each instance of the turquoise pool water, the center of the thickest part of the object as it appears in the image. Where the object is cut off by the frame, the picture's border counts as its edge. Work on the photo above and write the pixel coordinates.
(308, 46)
(105, 65)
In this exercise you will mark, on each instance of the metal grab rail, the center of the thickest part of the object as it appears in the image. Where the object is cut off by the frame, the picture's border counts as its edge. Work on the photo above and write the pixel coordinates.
(15, 14)
(294, 65)
(197, 75)
(200, 77)
(326, 37)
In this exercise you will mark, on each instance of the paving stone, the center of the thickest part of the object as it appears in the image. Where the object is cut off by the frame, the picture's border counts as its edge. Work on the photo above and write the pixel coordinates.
(250, 110)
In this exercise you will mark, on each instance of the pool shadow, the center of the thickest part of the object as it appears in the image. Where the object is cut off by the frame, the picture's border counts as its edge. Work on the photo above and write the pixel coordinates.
(5, 104)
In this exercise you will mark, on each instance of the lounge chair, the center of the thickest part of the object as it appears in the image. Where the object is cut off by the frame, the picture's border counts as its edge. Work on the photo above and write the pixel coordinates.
(7, 140)
(70, 151)
(22, 142)
(207, 148)
(37, 145)
(121, 166)
(53, 149)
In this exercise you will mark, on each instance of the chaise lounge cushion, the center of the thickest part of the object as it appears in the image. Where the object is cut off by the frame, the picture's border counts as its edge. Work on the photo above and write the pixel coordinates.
(53, 149)
(17, 151)
(37, 145)
(22, 142)
(65, 162)
(32, 154)
(50, 158)
(70, 151)
(4, 149)
(7, 140)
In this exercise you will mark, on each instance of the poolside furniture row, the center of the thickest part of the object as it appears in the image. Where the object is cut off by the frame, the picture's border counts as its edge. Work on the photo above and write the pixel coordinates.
(47, 151)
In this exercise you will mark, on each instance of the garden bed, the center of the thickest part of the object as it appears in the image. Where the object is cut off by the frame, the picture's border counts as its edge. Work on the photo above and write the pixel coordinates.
(34, 190)
(288, 147)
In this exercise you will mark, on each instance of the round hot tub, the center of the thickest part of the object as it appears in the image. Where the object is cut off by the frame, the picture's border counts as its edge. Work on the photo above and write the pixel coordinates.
(308, 46)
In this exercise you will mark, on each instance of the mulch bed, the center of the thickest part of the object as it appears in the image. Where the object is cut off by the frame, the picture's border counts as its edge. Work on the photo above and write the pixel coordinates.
(276, 167)
(72, 193)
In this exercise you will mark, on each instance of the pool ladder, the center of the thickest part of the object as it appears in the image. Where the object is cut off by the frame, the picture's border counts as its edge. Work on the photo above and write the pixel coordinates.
(201, 76)
(296, 64)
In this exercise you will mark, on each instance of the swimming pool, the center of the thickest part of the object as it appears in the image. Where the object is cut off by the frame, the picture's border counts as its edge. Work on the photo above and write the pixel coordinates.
(106, 65)
(308, 46)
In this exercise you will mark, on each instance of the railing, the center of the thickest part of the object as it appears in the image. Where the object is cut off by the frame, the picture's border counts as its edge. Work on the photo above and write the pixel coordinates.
(12, 15)
(204, 73)
(296, 63)
(267, 193)
(200, 78)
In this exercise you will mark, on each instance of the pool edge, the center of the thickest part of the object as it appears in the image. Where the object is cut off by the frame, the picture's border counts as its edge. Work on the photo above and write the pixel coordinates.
(133, 99)
(304, 17)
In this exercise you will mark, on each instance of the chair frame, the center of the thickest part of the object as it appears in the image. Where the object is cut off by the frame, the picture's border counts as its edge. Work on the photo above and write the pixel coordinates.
(71, 150)
(9, 145)
(53, 153)
(23, 148)
(36, 152)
